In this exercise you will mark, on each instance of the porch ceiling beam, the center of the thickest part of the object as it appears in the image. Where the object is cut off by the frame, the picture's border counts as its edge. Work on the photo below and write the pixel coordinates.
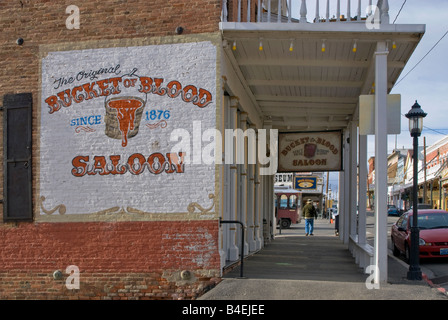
(305, 128)
(318, 99)
(328, 110)
(313, 63)
(317, 117)
(291, 122)
(305, 83)
(302, 63)
(307, 107)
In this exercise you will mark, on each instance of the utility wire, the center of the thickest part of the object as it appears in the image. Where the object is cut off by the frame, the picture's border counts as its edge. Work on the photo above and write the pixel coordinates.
(399, 11)
(427, 128)
(422, 58)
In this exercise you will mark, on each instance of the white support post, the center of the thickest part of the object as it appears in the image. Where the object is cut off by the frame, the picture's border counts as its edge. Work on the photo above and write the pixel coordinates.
(279, 11)
(289, 11)
(385, 12)
(344, 220)
(362, 193)
(251, 223)
(358, 15)
(257, 205)
(269, 11)
(225, 183)
(243, 208)
(349, 11)
(380, 252)
(303, 11)
(233, 253)
(224, 11)
(239, 11)
(341, 205)
(353, 195)
(268, 194)
(338, 11)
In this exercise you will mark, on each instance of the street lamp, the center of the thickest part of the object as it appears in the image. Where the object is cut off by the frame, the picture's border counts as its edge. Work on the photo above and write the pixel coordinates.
(415, 116)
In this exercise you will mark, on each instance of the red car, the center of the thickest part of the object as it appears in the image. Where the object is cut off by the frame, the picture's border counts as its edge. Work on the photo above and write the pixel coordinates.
(433, 225)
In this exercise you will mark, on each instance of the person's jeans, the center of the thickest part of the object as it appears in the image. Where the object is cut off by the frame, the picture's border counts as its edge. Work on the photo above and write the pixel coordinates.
(309, 226)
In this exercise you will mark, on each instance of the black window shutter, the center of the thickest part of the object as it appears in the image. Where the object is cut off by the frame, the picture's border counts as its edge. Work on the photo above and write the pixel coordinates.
(17, 174)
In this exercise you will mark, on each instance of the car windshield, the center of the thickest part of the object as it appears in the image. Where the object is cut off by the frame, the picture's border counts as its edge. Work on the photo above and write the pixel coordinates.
(432, 220)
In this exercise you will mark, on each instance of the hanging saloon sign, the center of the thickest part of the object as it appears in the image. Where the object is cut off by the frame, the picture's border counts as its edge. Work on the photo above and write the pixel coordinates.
(310, 151)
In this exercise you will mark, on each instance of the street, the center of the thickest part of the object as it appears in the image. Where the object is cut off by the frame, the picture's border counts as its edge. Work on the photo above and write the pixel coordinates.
(435, 269)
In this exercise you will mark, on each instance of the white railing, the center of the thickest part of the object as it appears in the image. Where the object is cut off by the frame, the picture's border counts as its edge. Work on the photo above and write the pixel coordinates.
(260, 11)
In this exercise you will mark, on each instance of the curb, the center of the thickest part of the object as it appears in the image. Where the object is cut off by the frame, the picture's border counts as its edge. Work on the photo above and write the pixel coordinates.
(424, 275)
(432, 285)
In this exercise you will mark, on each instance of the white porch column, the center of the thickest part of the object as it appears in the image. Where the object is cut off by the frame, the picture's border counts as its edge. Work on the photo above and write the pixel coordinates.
(250, 198)
(353, 196)
(242, 170)
(344, 214)
(362, 194)
(257, 209)
(233, 251)
(268, 194)
(341, 193)
(380, 252)
(225, 183)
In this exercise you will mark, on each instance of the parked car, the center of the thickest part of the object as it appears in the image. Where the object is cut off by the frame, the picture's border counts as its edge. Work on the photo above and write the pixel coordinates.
(433, 226)
(392, 210)
(422, 206)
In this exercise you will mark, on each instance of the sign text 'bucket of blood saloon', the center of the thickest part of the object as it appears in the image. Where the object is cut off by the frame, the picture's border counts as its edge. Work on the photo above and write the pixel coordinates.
(310, 151)
(106, 119)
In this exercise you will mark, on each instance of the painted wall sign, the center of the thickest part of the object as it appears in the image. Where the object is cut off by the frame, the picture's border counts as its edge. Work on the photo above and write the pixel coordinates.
(310, 151)
(106, 119)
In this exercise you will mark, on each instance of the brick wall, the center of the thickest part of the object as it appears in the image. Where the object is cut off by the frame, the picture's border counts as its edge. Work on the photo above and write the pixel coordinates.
(43, 22)
(118, 259)
(115, 260)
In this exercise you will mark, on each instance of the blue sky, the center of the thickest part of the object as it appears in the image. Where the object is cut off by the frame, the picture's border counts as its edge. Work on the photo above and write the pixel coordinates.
(428, 82)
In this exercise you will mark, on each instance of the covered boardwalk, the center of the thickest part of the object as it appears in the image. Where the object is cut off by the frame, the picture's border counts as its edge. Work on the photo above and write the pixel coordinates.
(299, 73)
(295, 267)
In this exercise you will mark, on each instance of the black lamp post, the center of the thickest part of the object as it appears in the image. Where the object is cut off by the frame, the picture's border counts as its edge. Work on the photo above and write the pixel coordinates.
(415, 116)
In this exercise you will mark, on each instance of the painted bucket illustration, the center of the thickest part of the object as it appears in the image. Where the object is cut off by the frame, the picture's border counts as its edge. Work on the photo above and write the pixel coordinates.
(124, 113)
(310, 150)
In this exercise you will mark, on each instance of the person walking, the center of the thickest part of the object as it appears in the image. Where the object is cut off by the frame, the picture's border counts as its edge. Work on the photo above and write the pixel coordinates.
(309, 213)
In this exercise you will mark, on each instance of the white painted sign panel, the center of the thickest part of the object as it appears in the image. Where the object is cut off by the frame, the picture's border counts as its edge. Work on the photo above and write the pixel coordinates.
(367, 114)
(107, 118)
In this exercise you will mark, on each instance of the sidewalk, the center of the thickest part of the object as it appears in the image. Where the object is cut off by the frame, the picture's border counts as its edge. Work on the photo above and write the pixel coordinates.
(319, 267)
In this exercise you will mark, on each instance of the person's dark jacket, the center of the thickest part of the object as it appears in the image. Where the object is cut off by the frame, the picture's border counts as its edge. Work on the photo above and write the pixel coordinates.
(309, 211)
